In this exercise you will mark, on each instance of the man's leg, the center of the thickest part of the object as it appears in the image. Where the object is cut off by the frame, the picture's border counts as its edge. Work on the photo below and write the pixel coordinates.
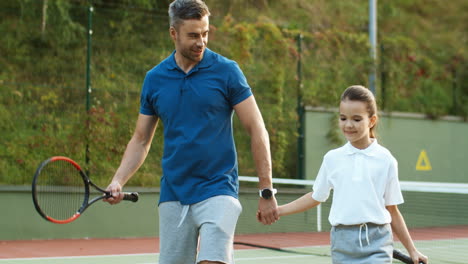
(217, 218)
(178, 237)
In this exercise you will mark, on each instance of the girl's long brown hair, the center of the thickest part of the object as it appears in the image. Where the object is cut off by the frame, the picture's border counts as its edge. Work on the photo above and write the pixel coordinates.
(362, 94)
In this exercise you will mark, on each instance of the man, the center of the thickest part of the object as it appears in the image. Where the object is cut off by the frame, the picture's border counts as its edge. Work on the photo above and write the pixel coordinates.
(194, 92)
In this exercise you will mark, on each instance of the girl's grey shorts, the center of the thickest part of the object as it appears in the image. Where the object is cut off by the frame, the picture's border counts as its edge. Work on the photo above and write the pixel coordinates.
(365, 243)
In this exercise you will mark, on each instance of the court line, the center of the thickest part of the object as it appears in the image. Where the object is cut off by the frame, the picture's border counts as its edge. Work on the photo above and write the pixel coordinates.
(422, 247)
(275, 257)
(132, 255)
(82, 257)
(148, 255)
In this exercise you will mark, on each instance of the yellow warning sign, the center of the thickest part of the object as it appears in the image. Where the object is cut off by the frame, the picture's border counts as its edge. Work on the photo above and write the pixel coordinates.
(423, 163)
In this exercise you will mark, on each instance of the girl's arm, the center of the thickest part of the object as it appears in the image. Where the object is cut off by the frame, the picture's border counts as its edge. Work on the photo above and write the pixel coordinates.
(401, 230)
(299, 205)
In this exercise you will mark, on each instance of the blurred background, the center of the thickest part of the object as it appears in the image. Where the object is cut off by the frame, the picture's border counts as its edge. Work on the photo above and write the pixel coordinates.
(71, 72)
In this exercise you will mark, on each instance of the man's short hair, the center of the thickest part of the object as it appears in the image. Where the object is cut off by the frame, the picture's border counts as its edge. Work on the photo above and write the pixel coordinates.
(180, 10)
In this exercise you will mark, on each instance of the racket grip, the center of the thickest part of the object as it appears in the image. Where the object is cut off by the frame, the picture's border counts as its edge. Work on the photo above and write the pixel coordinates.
(397, 254)
(133, 196)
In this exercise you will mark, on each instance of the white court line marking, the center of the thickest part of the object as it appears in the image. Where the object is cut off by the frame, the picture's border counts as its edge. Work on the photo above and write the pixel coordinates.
(275, 257)
(422, 247)
(84, 257)
(141, 255)
(130, 255)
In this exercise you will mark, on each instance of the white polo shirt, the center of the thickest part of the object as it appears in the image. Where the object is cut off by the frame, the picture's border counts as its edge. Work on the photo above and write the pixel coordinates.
(363, 183)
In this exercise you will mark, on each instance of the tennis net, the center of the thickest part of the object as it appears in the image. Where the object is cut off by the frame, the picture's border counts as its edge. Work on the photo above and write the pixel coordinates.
(435, 213)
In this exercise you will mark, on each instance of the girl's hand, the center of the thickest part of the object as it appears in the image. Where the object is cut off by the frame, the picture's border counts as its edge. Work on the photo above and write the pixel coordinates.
(418, 257)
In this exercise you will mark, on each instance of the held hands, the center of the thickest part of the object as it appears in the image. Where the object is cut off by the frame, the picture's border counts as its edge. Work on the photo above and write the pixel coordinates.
(267, 212)
(116, 190)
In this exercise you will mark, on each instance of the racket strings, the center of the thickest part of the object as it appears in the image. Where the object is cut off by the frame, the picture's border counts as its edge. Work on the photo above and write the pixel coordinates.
(60, 190)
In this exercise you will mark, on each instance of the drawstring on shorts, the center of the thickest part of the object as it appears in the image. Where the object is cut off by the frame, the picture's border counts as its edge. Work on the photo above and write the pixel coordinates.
(360, 234)
(183, 214)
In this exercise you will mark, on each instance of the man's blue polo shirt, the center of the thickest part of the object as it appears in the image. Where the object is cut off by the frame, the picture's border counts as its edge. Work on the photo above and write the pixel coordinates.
(196, 109)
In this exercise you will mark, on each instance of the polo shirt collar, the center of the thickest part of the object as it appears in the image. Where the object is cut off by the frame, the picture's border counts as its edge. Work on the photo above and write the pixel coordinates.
(207, 61)
(369, 151)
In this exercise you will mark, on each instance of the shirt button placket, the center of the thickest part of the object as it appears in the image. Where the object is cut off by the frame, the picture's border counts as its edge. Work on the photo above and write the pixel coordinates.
(357, 175)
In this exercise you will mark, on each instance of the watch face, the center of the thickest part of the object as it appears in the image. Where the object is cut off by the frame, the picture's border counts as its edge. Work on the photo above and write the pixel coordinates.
(266, 193)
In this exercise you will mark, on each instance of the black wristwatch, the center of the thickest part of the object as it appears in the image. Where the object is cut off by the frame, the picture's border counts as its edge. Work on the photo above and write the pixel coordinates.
(267, 193)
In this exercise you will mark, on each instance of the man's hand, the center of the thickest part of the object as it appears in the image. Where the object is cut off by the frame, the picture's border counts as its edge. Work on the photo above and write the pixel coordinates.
(267, 212)
(116, 190)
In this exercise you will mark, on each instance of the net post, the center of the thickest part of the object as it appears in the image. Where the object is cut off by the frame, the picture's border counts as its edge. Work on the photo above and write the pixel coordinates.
(88, 83)
(373, 44)
(319, 218)
(300, 112)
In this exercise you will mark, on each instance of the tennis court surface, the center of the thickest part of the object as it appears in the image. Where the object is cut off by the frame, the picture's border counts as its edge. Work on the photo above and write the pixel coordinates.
(436, 214)
(442, 245)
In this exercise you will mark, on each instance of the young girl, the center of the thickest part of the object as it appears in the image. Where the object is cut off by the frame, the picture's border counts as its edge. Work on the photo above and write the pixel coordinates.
(366, 191)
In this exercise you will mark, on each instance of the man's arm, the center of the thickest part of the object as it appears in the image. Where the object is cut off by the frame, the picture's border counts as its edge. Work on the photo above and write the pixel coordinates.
(135, 154)
(252, 120)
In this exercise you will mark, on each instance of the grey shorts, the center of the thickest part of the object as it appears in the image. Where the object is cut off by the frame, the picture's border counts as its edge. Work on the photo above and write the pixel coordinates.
(202, 231)
(367, 243)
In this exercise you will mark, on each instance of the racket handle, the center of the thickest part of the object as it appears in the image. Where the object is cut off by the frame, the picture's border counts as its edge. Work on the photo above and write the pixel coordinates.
(397, 254)
(133, 196)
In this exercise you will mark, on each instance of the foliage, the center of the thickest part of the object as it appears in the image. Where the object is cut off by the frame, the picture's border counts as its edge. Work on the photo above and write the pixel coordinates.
(422, 68)
(334, 135)
(271, 84)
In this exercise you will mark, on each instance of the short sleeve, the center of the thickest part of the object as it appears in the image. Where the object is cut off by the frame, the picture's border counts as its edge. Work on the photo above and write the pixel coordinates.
(322, 186)
(146, 104)
(238, 88)
(393, 195)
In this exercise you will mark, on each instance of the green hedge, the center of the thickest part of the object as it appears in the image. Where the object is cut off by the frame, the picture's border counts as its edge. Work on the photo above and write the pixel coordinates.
(42, 79)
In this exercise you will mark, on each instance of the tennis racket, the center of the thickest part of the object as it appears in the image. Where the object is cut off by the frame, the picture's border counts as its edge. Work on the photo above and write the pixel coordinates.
(397, 254)
(61, 190)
